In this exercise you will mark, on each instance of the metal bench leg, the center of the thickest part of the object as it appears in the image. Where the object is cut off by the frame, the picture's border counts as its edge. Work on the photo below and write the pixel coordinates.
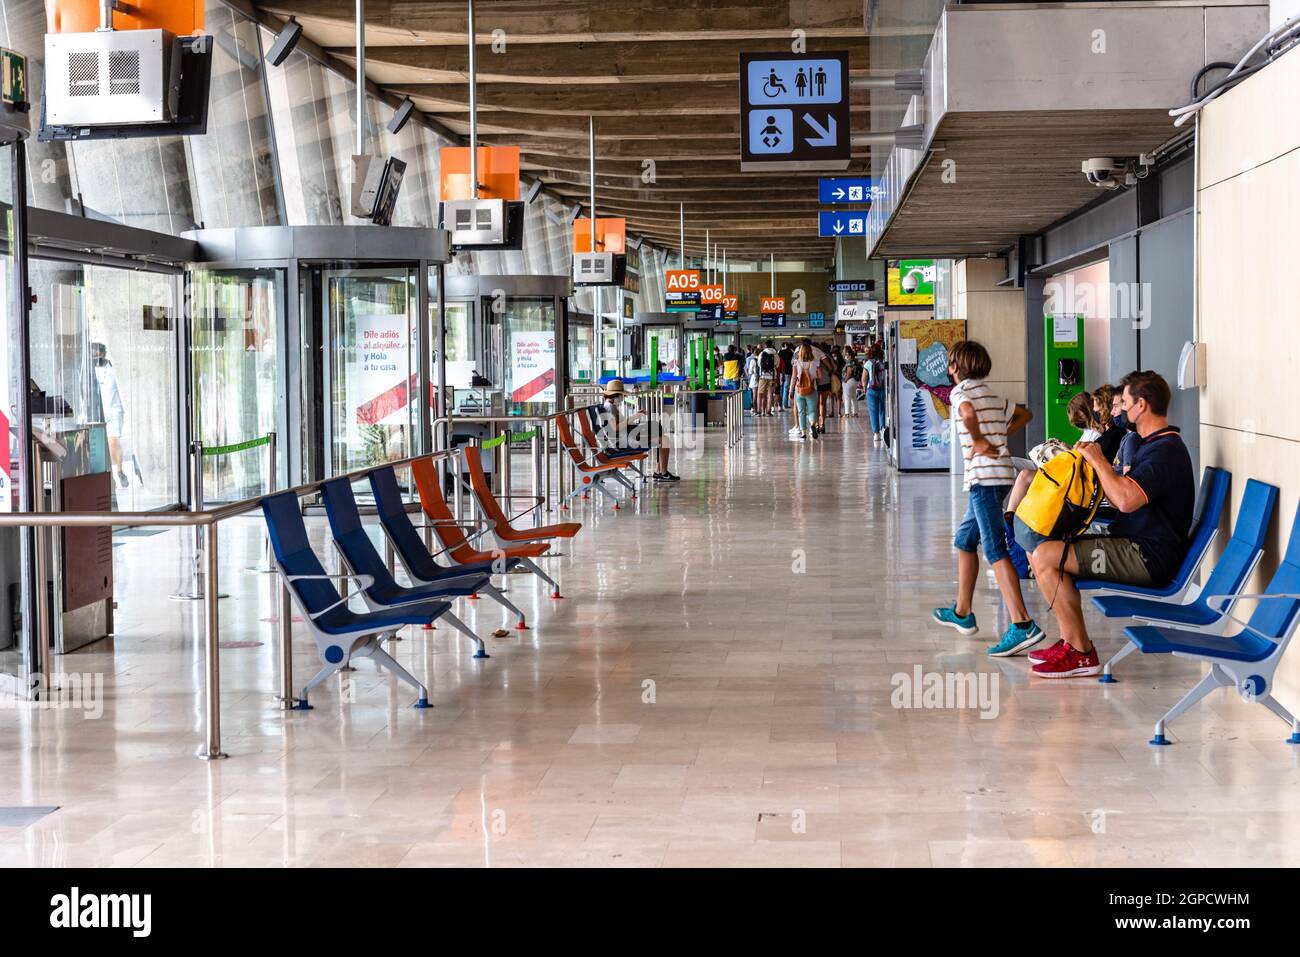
(1214, 679)
(599, 486)
(495, 594)
(574, 494)
(1106, 677)
(460, 626)
(1268, 701)
(533, 567)
(384, 660)
(622, 479)
(320, 676)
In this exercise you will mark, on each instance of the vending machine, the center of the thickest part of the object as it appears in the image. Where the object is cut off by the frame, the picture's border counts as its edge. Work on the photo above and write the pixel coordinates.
(919, 419)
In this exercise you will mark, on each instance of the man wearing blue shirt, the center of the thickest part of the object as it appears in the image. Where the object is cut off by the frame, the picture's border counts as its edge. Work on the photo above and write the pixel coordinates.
(1155, 499)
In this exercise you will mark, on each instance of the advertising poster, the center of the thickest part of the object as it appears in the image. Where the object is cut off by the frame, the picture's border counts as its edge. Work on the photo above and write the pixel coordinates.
(532, 367)
(924, 428)
(381, 382)
(911, 282)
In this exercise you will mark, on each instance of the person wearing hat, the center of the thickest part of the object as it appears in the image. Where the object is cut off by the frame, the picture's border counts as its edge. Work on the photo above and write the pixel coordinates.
(615, 422)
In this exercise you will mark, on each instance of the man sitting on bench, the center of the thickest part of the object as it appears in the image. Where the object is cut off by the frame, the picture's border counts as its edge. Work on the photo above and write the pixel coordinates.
(1146, 541)
(614, 435)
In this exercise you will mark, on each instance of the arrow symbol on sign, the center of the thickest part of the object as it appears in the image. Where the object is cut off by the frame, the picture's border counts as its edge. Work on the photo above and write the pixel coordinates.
(838, 227)
(839, 193)
(825, 136)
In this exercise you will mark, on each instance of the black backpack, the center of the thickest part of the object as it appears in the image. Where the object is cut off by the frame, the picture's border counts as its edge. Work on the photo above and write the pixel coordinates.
(767, 361)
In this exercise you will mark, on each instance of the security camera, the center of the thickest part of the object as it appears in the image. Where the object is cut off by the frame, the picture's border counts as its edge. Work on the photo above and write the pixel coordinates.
(911, 282)
(1103, 170)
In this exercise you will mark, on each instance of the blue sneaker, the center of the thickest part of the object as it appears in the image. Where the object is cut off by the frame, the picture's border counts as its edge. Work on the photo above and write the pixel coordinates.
(949, 618)
(1016, 640)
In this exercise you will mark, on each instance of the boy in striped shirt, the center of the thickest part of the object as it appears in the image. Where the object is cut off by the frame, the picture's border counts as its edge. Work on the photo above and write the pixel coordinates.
(983, 423)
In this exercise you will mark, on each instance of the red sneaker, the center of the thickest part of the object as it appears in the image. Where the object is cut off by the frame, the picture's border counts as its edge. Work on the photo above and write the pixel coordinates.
(1039, 655)
(1070, 664)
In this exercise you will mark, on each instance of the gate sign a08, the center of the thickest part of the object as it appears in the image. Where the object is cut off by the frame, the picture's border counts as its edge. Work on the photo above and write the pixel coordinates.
(794, 111)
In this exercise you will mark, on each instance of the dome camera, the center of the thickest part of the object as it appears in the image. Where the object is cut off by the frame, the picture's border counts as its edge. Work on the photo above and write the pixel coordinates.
(912, 281)
(1102, 171)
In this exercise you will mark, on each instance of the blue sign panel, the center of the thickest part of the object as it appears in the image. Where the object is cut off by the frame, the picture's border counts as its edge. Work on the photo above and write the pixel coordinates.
(845, 190)
(803, 81)
(794, 111)
(816, 320)
(836, 223)
(851, 285)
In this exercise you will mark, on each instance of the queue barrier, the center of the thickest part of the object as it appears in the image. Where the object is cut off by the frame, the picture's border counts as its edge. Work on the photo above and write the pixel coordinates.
(197, 453)
(211, 617)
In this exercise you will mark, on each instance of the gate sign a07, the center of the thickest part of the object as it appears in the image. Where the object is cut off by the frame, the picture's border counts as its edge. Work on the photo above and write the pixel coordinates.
(794, 111)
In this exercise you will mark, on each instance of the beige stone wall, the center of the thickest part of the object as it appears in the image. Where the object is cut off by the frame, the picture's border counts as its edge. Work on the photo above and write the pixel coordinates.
(995, 316)
(1249, 208)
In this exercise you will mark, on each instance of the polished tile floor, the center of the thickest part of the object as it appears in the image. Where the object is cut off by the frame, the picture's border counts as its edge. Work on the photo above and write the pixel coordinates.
(718, 688)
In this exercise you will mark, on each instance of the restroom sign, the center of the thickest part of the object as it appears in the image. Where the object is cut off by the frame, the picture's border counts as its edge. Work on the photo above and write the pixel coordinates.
(794, 111)
(682, 280)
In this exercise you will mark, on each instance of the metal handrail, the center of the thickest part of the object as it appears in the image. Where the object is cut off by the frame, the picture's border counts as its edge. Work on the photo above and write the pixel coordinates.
(212, 671)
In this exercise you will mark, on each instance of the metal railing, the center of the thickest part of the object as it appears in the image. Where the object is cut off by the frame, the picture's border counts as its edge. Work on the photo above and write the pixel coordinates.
(204, 519)
(539, 437)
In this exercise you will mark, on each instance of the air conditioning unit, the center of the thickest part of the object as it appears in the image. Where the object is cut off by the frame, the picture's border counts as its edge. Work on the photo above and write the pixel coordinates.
(111, 77)
(599, 269)
(475, 222)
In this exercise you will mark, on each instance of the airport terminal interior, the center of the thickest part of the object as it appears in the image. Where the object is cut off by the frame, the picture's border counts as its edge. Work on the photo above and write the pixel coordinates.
(842, 433)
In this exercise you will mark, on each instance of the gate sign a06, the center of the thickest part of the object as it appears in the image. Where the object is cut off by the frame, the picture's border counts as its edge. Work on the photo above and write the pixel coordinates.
(794, 111)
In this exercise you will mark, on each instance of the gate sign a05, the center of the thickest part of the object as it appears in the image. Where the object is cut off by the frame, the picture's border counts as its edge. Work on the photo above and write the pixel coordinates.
(794, 111)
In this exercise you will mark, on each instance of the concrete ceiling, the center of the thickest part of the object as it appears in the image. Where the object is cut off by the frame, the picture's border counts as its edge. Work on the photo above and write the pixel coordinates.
(1011, 174)
(661, 80)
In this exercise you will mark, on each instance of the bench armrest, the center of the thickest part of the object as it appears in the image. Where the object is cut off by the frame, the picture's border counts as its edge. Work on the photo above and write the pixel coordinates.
(1226, 610)
(365, 581)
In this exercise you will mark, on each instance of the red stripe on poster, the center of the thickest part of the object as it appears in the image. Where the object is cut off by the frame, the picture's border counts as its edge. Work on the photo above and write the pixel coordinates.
(530, 389)
(386, 403)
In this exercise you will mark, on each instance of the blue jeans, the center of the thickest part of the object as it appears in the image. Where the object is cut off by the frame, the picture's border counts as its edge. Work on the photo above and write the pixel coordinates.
(807, 405)
(783, 391)
(984, 522)
(876, 409)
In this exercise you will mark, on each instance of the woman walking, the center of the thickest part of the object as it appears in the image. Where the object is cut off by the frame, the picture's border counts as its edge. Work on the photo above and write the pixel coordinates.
(803, 390)
(873, 380)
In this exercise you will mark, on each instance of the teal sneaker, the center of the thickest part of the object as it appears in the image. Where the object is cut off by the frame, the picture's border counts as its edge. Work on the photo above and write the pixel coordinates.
(1016, 640)
(949, 618)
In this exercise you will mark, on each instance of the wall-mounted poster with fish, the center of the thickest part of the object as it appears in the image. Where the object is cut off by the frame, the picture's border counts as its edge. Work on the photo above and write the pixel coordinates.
(924, 428)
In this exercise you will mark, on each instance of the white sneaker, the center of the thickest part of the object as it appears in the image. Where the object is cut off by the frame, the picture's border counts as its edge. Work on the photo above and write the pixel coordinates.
(796, 431)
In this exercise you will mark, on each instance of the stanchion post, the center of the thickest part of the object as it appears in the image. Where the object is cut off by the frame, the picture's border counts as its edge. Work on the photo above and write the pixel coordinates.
(286, 698)
(212, 651)
(40, 558)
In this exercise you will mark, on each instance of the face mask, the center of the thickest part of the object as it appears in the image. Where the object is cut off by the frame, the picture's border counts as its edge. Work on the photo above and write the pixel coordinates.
(1130, 424)
(1119, 420)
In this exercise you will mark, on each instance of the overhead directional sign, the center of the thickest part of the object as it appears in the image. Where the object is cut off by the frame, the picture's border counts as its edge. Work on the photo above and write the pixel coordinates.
(845, 190)
(837, 223)
(772, 311)
(851, 285)
(682, 280)
(794, 111)
(730, 307)
(681, 301)
(816, 320)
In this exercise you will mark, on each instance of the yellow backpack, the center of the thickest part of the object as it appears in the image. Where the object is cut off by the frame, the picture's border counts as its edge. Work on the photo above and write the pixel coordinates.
(1063, 499)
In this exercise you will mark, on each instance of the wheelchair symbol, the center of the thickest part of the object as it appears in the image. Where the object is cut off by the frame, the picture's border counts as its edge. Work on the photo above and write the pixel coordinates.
(773, 87)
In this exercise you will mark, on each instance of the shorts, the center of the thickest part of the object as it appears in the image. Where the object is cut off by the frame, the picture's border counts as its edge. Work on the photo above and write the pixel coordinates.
(824, 386)
(1100, 557)
(113, 422)
(766, 386)
(984, 522)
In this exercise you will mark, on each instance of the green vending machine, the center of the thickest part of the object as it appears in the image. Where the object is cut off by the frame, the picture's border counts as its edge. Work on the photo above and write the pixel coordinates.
(1063, 369)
